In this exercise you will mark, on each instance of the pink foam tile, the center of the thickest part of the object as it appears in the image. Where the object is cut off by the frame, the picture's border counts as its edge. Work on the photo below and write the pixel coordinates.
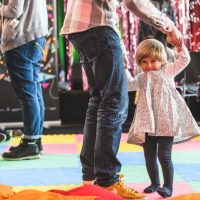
(124, 137)
(79, 138)
(179, 189)
(190, 145)
(60, 148)
(6, 149)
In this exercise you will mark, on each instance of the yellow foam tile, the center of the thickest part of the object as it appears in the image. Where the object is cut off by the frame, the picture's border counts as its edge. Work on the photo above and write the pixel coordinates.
(45, 188)
(59, 139)
(196, 138)
(79, 146)
(50, 139)
(125, 147)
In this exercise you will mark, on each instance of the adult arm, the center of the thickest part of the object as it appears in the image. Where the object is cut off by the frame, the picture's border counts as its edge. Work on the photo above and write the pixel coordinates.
(148, 13)
(174, 68)
(14, 9)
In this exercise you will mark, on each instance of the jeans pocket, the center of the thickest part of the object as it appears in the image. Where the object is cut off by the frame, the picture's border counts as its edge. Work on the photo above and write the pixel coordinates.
(40, 42)
(35, 49)
(86, 43)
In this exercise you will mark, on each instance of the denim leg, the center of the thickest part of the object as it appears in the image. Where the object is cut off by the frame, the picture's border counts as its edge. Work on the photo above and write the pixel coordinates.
(87, 152)
(23, 64)
(37, 68)
(108, 105)
(150, 154)
(164, 155)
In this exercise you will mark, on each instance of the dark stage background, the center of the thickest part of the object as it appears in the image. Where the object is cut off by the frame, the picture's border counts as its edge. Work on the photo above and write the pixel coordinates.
(10, 109)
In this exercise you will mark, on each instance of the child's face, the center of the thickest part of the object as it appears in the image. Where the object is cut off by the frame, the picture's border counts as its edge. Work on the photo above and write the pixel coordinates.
(150, 63)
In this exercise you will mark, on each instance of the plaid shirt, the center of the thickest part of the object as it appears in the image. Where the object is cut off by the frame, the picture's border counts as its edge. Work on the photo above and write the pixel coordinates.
(85, 14)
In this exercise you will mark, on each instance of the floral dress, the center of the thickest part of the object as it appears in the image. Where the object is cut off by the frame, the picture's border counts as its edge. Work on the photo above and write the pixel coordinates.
(161, 110)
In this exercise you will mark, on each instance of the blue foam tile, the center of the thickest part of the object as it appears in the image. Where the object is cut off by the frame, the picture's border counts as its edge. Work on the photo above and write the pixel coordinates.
(131, 158)
(30, 177)
(189, 172)
(3, 147)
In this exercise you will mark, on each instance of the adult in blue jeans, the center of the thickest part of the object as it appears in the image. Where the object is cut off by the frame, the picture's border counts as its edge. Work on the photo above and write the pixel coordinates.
(25, 24)
(92, 27)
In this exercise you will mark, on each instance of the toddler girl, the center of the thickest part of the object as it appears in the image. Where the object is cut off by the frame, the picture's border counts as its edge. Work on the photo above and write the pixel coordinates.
(161, 112)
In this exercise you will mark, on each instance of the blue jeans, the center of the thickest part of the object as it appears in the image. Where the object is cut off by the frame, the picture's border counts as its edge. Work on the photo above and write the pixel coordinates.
(23, 64)
(101, 52)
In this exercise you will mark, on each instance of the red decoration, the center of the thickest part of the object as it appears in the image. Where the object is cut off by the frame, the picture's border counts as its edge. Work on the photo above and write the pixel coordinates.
(187, 14)
(195, 24)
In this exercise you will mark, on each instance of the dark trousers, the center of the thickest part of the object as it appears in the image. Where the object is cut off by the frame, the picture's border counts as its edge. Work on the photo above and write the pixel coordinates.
(101, 52)
(160, 147)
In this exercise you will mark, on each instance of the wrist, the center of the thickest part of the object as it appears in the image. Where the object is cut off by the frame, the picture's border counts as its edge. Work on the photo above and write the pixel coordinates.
(170, 26)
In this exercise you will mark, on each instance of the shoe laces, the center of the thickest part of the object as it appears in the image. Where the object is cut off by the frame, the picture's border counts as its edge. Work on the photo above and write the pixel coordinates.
(20, 143)
(123, 186)
(121, 177)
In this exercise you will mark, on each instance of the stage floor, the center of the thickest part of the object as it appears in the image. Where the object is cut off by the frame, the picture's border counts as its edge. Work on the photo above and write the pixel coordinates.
(59, 166)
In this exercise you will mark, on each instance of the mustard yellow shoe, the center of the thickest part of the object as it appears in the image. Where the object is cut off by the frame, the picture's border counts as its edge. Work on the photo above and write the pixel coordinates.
(124, 191)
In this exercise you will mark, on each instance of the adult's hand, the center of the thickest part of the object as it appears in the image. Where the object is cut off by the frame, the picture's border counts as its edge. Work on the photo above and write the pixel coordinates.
(126, 61)
(175, 37)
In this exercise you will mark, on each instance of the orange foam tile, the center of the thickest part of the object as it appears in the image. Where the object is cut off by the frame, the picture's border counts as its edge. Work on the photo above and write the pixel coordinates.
(45, 188)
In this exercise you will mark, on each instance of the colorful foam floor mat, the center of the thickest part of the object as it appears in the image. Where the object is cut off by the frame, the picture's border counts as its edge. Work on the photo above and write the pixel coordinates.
(59, 166)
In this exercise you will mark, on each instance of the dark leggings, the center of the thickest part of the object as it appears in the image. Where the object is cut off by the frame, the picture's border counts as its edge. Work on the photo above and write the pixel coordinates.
(160, 147)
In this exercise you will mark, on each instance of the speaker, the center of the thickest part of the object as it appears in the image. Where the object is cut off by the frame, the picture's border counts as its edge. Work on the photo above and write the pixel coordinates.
(191, 74)
(77, 83)
(193, 69)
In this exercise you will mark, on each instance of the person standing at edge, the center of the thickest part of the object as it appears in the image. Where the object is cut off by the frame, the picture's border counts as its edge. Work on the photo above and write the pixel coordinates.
(92, 27)
(25, 24)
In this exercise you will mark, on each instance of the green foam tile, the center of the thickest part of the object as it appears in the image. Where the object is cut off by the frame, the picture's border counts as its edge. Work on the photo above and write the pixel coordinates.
(186, 157)
(134, 174)
(195, 185)
(46, 161)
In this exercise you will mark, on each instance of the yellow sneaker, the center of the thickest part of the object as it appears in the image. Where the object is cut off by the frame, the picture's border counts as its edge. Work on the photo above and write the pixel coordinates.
(124, 191)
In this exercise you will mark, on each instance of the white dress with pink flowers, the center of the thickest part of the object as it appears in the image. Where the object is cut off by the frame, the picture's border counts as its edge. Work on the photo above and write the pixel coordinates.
(161, 110)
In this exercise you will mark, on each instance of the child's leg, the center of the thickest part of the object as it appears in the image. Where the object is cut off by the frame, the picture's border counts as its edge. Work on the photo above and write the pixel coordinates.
(150, 154)
(164, 155)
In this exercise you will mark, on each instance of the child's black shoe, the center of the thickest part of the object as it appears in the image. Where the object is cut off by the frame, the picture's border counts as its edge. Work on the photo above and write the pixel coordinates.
(165, 191)
(151, 188)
